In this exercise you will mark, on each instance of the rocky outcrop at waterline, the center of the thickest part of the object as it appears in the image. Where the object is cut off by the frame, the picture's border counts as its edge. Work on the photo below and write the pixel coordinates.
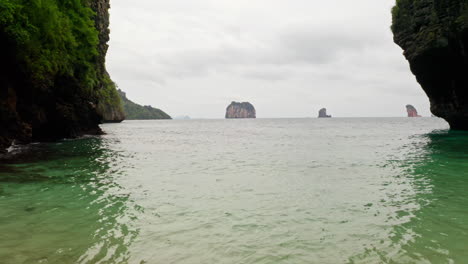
(323, 113)
(412, 112)
(434, 37)
(55, 86)
(240, 110)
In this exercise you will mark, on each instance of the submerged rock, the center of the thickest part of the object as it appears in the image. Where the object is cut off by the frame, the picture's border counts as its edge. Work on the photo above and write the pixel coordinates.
(240, 110)
(434, 37)
(323, 113)
(412, 112)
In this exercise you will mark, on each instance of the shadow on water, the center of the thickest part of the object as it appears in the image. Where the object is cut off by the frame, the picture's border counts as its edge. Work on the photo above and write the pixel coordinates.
(437, 230)
(440, 227)
(60, 203)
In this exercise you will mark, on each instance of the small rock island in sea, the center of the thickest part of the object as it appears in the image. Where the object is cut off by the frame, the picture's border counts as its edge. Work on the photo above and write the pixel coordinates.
(323, 113)
(182, 117)
(412, 112)
(240, 110)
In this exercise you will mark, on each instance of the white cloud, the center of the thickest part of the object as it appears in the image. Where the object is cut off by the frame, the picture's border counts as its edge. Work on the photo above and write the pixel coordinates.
(289, 58)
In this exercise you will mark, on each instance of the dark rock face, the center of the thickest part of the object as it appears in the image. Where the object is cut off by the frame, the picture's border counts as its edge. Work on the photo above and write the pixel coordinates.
(434, 37)
(101, 7)
(323, 113)
(60, 104)
(412, 112)
(240, 110)
(31, 114)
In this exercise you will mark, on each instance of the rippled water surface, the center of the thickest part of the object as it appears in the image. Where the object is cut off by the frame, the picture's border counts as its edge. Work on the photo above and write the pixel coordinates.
(389, 190)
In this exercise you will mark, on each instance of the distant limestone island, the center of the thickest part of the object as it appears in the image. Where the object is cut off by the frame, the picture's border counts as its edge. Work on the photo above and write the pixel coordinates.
(240, 110)
(135, 111)
(323, 113)
(182, 117)
(412, 112)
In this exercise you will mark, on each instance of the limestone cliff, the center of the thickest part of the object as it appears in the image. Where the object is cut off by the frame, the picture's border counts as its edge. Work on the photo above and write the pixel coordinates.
(107, 108)
(323, 113)
(412, 112)
(240, 110)
(53, 82)
(434, 37)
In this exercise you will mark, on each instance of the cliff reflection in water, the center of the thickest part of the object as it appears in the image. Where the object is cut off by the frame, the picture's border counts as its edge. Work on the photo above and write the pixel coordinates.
(60, 204)
(440, 227)
(434, 219)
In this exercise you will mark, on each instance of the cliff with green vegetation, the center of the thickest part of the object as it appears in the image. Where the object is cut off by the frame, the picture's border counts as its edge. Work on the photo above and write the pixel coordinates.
(434, 37)
(135, 111)
(53, 80)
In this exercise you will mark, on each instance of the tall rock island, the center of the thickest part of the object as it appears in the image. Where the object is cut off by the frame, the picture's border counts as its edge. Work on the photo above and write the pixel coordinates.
(434, 37)
(240, 110)
(323, 113)
(412, 112)
(53, 79)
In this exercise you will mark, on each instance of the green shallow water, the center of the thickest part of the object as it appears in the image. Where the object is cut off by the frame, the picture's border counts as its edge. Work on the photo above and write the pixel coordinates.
(389, 190)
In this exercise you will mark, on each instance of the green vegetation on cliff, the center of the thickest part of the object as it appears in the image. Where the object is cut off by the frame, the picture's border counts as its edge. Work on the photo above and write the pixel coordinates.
(52, 38)
(56, 38)
(135, 111)
(424, 24)
(53, 81)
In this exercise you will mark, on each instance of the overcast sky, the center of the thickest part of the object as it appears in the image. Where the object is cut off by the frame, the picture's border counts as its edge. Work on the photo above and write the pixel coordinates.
(289, 58)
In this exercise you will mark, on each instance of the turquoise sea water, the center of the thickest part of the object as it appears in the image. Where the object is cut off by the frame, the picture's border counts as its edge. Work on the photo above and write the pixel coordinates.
(370, 190)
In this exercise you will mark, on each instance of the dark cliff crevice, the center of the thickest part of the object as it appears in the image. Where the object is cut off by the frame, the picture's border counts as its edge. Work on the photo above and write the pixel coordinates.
(34, 112)
(434, 37)
(11, 84)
